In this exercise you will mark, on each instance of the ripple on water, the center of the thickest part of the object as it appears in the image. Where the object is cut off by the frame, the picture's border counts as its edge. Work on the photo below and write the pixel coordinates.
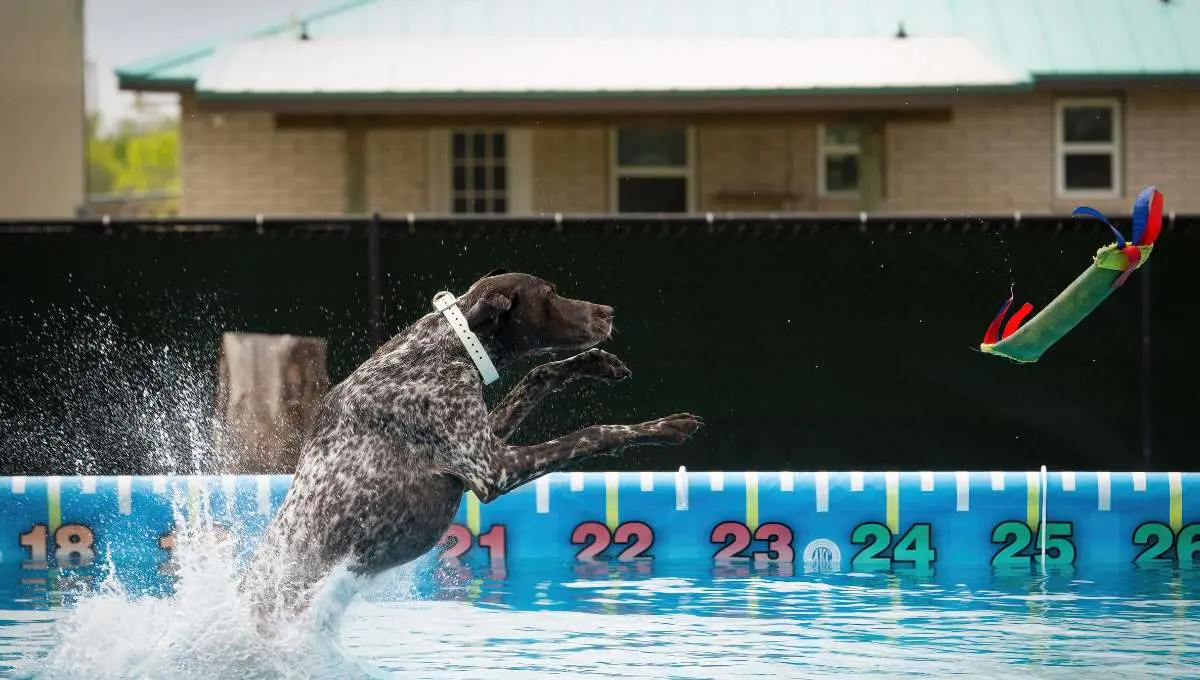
(679, 622)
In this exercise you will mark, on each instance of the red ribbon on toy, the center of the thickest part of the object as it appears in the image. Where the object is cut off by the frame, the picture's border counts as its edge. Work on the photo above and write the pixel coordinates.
(994, 334)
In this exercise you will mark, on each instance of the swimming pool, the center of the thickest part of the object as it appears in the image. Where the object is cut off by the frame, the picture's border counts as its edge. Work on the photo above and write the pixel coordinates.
(680, 575)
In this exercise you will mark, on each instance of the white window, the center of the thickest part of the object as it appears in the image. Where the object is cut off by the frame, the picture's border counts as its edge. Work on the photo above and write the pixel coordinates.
(838, 156)
(653, 170)
(1087, 154)
(479, 172)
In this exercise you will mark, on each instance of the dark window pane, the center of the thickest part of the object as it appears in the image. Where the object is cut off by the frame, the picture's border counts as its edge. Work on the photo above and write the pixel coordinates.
(841, 135)
(460, 205)
(479, 205)
(651, 146)
(479, 145)
(478, 177)
(499, 205)
(460, 145)
(1088, 124)
(652, 194)
(841, 172)
(460, 178)
(1089, 170)
(499, 178)
(498, 146)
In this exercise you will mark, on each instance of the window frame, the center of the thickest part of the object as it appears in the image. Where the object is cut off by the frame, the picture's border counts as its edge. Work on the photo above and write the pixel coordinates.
(825, 150)
(488, 194)
(1062, 147)
(617, 171)
(440, 169)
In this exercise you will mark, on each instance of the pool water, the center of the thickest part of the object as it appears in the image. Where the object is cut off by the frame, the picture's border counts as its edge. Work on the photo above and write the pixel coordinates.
(630, 620)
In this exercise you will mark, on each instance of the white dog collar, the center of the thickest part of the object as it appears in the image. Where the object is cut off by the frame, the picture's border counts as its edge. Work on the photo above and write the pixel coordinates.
(446, 303)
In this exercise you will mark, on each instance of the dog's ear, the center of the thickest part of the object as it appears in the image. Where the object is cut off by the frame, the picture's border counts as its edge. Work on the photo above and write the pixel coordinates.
(484, 314)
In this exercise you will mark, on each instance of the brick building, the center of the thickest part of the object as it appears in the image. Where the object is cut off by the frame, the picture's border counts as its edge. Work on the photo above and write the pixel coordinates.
(599, 106)
(42, 141)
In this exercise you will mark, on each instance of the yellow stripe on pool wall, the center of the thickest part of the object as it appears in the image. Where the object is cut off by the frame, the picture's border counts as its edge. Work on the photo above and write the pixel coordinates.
(53, 505)
(473, 513)
(193, 502)
(1033, 487)
(1175, 480)
(752, 501)
(892, 488)
(611, 509)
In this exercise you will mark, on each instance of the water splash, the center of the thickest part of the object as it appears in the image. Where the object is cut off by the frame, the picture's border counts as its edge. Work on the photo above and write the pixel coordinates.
(80, 387)
(203, 629)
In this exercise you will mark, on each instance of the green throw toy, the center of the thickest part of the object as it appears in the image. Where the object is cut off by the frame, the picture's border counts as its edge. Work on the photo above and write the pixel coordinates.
(1110, 268)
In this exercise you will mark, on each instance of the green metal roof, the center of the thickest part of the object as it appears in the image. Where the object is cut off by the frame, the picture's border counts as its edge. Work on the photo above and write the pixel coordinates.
(1081, 38)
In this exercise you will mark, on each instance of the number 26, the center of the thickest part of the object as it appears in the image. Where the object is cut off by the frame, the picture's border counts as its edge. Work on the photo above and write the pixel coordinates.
(1158, 539)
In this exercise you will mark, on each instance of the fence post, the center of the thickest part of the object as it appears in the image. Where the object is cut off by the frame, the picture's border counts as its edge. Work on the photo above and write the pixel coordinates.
(374, 295)
(268, 389)
(1147, 401)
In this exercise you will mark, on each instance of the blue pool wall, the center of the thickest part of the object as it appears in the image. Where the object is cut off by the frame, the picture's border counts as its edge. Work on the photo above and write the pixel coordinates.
(822, 521)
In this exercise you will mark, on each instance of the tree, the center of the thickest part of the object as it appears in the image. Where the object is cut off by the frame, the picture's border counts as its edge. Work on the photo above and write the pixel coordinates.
(136, 157)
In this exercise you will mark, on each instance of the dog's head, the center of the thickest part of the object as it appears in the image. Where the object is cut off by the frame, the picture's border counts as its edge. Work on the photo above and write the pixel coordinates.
(517, 315)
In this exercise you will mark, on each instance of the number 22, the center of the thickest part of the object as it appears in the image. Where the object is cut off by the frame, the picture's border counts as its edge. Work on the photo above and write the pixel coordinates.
(601, 538)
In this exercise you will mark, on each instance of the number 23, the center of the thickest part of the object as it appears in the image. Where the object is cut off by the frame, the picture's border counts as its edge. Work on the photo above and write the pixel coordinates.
(778, 538)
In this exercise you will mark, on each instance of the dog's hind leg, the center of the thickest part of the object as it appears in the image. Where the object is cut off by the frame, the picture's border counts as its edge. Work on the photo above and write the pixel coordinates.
(547, 379)
(495, 468)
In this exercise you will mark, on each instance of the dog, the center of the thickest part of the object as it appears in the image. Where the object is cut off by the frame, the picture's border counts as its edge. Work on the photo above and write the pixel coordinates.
(392, 448)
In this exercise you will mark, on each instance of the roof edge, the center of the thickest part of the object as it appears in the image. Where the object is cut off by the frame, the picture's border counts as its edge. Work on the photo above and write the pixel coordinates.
(602, 95)
(143, 70)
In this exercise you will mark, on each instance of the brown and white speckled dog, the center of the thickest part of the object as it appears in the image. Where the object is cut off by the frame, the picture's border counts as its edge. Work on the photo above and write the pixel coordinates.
(394, 446)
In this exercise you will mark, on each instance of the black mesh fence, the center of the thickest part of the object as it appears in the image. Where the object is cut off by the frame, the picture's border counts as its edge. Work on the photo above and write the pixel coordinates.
(805, 343)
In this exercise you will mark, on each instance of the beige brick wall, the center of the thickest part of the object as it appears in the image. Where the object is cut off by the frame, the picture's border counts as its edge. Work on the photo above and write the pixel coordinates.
(992, 159)
(398, 171)
(749, 168)
(570, 169)
(42, 146)
(238, 164)
(987, 160)
(1163, 129)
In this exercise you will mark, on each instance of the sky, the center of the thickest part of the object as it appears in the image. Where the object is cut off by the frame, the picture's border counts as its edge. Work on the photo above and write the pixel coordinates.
(118, 32)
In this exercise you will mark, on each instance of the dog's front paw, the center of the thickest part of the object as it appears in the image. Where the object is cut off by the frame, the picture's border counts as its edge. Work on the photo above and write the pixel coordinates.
(596, 363)
(675, 429)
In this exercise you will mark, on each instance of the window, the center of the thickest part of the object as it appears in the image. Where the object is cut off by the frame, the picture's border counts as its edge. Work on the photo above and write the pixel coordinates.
(479, 172)
(838, 155)
(652, 170)
(1088, 147)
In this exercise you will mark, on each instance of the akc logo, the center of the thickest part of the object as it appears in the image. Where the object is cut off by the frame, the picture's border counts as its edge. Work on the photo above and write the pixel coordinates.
(822, 555)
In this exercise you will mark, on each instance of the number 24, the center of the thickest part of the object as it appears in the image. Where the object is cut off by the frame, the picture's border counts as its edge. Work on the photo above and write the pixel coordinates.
(914, 547)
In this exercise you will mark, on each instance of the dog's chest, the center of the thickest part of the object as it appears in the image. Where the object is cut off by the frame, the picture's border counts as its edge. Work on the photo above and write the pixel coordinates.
(408, 518)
